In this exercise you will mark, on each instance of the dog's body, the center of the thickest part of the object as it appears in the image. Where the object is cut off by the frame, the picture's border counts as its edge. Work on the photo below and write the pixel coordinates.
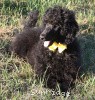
(60, 26)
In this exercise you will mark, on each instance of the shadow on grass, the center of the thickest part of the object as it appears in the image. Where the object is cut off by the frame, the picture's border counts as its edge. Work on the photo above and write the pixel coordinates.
(87, 43)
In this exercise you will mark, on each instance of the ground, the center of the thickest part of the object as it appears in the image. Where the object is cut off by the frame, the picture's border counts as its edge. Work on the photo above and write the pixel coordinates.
(17, 80)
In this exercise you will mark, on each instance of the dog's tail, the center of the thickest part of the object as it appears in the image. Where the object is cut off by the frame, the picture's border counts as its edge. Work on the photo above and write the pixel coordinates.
(32, 19)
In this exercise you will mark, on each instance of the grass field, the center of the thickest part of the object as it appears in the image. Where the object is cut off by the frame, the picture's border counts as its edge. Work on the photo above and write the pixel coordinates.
(17, 80)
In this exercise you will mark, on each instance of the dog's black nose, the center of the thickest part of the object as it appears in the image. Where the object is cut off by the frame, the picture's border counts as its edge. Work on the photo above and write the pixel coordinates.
(42, 37)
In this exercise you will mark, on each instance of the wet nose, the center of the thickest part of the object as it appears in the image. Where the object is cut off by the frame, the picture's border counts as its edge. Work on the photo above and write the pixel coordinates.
(42, 36)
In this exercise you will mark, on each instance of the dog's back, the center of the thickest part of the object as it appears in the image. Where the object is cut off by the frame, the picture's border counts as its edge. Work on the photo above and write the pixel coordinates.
(25, 40)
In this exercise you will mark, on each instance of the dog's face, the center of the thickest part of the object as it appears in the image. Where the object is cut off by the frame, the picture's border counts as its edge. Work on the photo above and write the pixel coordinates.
(60, 26)
(51, 34)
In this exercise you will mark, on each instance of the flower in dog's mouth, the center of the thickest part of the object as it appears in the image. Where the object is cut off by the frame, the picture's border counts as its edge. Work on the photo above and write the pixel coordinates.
(54, 46)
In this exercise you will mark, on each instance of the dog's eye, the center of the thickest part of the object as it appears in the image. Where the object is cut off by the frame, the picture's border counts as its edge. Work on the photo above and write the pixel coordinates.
(61, 33)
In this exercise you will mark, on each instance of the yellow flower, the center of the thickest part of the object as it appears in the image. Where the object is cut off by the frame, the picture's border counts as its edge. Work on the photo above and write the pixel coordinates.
(55, 45)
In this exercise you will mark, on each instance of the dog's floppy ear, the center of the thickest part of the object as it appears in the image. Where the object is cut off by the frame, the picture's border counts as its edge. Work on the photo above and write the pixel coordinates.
(70, 26)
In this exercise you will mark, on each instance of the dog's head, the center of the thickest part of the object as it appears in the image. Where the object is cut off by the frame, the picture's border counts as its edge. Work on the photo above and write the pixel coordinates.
(60, 26)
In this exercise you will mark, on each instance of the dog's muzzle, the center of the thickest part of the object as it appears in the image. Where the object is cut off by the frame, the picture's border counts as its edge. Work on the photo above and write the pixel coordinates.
(47, 29)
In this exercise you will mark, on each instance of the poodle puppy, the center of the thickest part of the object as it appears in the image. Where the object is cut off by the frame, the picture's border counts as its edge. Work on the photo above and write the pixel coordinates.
(52, 48)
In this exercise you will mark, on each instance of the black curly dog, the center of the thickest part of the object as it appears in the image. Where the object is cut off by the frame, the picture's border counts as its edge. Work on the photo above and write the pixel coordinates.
(58, 25)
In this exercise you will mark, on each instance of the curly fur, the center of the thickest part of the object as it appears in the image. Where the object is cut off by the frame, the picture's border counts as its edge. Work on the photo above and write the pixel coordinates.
(58, 25)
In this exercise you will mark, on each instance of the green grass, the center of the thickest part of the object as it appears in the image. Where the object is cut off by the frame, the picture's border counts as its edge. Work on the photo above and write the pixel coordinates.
(17, 80)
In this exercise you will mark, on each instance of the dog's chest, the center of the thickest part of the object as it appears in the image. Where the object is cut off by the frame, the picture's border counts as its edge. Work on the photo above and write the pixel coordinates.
(54, 59)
